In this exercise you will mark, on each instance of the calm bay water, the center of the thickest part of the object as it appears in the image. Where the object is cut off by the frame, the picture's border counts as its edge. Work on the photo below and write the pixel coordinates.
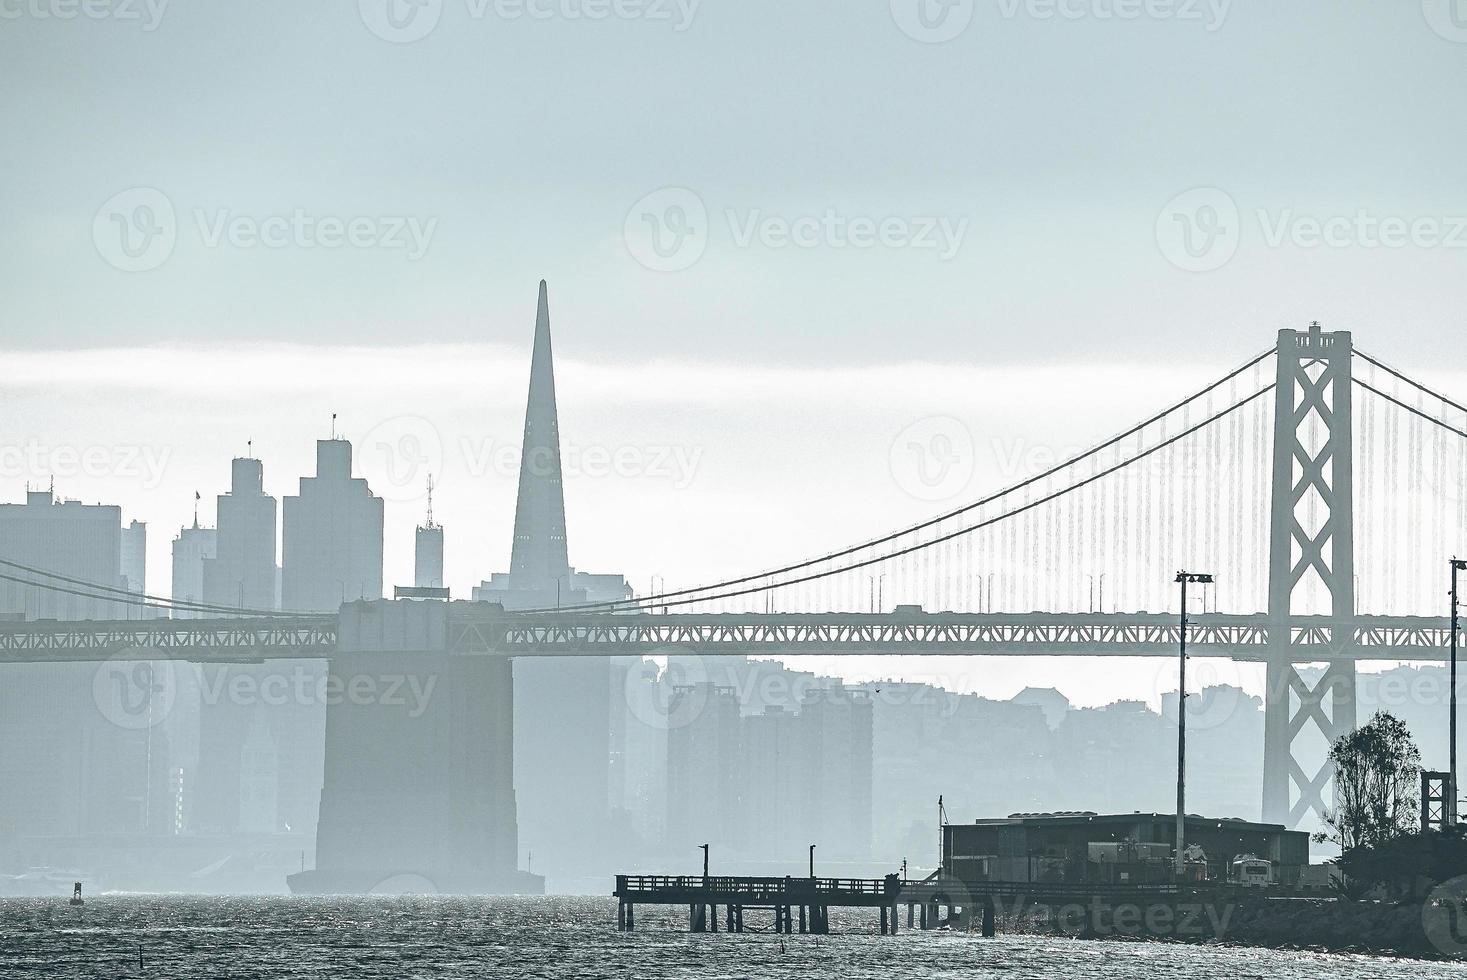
(188, 937)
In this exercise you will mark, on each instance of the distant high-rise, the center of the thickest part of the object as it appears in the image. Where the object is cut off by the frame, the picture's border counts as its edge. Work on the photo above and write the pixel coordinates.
(838, 729)
(242, 573)
(703, 768)
(74, 758)
(81, 541)
(539, 559)
(135, 557)
(562, 716)
(259, 763)
(331, 544)
(191, 549)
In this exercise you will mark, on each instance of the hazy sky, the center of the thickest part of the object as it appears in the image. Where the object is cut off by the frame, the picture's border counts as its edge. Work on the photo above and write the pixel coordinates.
(776, 234)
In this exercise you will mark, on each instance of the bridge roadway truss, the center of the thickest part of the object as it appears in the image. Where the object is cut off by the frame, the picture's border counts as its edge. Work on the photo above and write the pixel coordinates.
(483, 631)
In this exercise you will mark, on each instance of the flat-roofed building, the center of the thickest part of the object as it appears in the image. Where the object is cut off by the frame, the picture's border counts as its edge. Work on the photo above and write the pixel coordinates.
(1115, 848)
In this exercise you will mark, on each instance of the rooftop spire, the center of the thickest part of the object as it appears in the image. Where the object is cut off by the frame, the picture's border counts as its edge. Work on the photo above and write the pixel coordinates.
(539, 559)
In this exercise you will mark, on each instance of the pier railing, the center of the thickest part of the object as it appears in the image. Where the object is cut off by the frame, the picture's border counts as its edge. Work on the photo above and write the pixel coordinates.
(681, 888)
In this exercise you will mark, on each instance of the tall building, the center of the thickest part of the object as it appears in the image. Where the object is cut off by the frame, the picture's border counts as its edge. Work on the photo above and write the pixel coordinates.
(134, 558)
(703, 769)
(81, 541)
(837, 723)
(775, 770)
(331, 543)
(562, 719)
(191, 549)
(242, 573)
(79, 754)
(260, 759)
(428, 557)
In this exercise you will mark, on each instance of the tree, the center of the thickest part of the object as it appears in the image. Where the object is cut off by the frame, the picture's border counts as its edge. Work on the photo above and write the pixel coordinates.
(1377, 781)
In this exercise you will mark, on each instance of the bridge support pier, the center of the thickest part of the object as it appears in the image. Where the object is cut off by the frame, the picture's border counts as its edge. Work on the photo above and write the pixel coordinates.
(417, 790)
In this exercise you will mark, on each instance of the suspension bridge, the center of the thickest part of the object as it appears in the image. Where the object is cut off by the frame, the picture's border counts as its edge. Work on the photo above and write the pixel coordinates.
(1321, 486)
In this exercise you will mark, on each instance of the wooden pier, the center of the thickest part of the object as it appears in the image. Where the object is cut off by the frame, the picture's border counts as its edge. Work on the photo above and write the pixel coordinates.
(802, 902)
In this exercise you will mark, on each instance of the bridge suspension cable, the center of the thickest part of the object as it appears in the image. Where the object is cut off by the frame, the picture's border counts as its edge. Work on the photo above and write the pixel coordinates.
(112, 593)
(721, 590)
(1006, 515)
(1412, 409)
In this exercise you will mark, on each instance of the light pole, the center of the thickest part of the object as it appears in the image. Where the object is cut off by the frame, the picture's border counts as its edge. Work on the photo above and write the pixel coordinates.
(812, 861)
(1458, 565)
(705, 861)
(1184, 579)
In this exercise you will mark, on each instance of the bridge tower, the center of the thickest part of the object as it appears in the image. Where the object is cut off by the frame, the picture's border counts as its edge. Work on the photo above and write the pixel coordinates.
(1311, 562)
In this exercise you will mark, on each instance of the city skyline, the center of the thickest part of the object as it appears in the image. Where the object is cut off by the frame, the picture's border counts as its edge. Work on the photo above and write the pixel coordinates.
(669, 478)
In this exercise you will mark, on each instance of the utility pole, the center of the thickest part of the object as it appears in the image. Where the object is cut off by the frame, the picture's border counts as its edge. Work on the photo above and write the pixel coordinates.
(812, 861)
(1458, 565)
(1183, 579)
(705, 861)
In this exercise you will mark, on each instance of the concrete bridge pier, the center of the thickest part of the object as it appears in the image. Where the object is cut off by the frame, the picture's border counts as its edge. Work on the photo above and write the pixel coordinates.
(418, 792)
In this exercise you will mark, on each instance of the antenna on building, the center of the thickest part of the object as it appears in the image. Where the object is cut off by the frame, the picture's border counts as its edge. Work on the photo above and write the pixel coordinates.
(197, 498)
(430, 500)
(333, 425)
(250, 448)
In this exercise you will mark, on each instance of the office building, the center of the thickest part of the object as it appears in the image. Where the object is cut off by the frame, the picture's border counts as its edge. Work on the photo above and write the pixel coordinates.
(331, 542)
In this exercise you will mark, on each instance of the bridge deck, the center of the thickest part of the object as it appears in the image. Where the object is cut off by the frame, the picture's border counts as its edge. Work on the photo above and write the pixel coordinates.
(479, 629)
